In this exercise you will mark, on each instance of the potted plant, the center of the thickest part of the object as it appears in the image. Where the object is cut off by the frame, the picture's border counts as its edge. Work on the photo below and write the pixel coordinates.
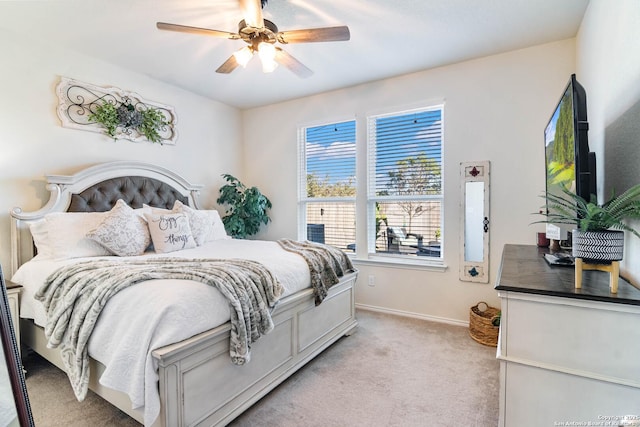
(599, 233)
(247, 208)
(147, 121)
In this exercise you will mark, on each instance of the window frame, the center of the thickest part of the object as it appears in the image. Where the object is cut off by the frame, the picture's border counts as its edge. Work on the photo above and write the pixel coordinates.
(364, 205)
(303, 200)
(372, 198)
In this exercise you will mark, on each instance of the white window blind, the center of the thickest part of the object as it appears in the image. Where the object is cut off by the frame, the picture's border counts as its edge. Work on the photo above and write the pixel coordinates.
(327, 184)
(405, 183)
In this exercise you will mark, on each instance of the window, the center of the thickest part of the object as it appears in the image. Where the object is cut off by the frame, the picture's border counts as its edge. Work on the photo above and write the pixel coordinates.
(327, 187)
(404, 199)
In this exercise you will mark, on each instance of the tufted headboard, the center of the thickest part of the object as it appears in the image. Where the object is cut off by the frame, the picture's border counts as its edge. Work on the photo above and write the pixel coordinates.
(97, 189)
(134, 190)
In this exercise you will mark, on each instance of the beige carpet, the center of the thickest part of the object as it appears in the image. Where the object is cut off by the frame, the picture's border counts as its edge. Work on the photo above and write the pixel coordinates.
(393, 371)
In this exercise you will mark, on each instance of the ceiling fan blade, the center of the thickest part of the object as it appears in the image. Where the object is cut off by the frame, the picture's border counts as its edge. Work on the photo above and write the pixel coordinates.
(327, 34)
(252, 12)
(283, 58)
(196, 30)
(228, 66)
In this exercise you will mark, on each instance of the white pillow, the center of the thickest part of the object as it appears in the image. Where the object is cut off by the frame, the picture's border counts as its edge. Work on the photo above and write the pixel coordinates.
(41, 238)
(219, 232)
(206, 225)
(146, 209)
(63, 235)
(170, 232)
(123, 231)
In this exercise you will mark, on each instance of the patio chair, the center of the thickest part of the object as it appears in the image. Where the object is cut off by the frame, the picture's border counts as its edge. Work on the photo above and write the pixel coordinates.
(399, 241)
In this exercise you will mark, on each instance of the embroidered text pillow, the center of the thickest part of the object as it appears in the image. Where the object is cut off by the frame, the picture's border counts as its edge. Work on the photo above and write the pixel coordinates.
(170, 232)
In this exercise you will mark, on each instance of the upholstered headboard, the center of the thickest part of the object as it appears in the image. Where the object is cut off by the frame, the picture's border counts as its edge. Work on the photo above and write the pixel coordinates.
(97, 189)
(134, 190)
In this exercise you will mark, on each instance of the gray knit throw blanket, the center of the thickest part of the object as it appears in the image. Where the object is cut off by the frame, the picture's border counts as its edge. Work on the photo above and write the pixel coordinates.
(326, 264)
(74, 296)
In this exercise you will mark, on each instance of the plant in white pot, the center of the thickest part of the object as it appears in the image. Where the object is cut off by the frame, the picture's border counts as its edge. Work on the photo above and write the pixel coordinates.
(599, 233)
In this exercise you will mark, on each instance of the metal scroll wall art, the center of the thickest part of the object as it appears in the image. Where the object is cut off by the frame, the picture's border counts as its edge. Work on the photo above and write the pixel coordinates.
(78, 101)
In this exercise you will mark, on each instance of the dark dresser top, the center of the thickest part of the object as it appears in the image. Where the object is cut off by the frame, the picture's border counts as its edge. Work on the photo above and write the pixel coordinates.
(10, 285)
(523, 269)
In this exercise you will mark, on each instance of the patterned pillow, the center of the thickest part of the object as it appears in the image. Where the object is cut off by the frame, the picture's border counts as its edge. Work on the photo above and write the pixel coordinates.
(170, 232)
(206, 225)
(123, 231)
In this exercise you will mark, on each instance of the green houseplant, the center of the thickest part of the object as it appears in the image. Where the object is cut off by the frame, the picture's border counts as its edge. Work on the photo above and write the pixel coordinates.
(599, 228)
(147, 121)
(247, 208)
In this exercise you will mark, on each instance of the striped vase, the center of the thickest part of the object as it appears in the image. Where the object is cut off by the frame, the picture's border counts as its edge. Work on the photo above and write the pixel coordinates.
(598, 246)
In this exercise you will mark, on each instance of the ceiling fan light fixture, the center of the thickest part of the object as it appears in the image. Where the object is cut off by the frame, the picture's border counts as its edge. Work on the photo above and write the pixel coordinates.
(243, 56)
(261, 35)
(269, 66)
(267, 53)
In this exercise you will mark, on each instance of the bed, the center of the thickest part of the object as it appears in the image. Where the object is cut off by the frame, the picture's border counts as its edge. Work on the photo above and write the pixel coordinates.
(189, 380)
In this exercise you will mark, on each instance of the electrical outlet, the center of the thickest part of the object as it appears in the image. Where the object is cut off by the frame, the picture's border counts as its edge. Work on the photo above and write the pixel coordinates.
(372, 280)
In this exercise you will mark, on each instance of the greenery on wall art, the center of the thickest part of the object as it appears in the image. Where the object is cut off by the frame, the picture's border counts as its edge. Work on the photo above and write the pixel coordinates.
(147, 121)
(117, 113)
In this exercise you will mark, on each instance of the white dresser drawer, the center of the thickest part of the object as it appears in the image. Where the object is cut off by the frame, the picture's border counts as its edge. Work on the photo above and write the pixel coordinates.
(574, 335)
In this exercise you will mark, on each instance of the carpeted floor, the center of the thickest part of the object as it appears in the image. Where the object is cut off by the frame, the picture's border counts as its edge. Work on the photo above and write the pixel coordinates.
(393, 371)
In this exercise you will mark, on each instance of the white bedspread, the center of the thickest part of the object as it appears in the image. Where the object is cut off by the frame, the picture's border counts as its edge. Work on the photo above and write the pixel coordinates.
(165, 312)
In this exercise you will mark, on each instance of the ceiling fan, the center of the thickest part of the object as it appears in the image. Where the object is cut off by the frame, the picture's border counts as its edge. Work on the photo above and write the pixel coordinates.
(261, 36)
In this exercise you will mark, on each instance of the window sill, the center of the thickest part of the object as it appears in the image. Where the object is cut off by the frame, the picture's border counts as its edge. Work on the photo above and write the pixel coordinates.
(437, 265)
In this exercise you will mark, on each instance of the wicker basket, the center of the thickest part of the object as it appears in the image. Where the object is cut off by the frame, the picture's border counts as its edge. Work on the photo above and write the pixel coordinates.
(481, 327)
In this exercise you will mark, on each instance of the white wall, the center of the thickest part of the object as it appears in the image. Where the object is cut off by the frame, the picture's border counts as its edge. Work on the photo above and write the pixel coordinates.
(32, 142)
(496, 109)
(608, 66)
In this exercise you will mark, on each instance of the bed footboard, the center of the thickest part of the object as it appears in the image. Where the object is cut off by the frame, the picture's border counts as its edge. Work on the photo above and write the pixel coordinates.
(200, 386)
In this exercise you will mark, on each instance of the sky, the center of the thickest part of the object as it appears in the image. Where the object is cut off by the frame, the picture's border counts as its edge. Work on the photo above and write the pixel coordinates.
(332, 148)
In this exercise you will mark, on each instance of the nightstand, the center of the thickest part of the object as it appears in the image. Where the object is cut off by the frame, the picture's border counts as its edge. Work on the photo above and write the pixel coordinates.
(13, 296)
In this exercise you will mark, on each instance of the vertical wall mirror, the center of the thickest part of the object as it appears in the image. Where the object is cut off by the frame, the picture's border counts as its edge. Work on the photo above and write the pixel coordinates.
(474, 221)
(14, 401)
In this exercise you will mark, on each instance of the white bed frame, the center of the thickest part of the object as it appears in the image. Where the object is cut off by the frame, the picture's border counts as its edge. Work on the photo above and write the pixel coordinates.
(199, 386)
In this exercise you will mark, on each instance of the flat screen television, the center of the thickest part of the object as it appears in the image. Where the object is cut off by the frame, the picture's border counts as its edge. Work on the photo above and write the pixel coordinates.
(568, 162)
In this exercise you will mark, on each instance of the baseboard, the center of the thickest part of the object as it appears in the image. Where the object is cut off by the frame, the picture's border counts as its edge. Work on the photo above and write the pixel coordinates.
(413, 315)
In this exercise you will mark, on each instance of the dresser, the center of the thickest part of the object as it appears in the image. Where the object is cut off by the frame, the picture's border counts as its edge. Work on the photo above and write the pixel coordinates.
(566, 355)
(13, 297)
